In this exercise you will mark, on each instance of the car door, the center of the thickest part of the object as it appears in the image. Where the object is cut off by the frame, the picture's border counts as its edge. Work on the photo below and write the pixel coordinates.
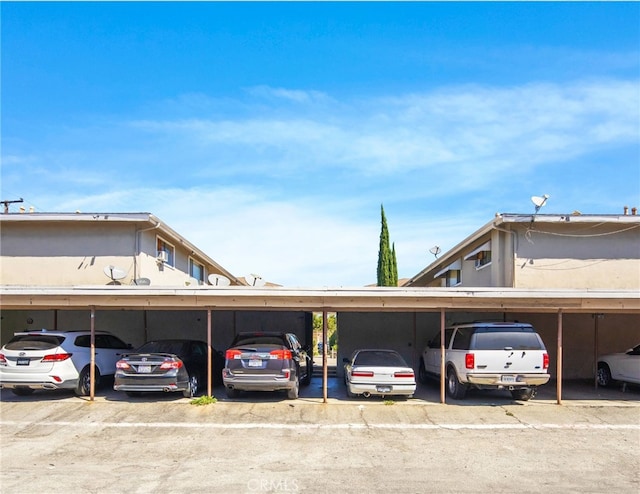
(433, 355)
(298, 354)
(109, 349)
(629, 365)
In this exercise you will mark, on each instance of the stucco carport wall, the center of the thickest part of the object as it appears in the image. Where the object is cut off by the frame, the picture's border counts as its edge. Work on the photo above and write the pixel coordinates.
(136, 326)
(408, 333)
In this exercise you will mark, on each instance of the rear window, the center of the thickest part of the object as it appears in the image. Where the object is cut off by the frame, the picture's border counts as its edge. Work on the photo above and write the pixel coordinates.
(259, 340)
(34, 342)
(174, 347)
(501, 338)
(383, 359)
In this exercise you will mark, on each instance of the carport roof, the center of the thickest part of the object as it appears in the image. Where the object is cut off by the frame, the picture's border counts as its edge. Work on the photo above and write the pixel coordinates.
(376, 299)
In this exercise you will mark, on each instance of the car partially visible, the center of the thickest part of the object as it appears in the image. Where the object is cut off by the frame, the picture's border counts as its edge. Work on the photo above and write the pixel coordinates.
(266, 361)
(167, 365)
(619, 367)
(47, 359)
(378, 372)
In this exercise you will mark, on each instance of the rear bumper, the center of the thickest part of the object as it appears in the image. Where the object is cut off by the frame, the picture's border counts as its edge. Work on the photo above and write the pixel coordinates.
(10, 380)
(378, 389)
(149, 385)
(269, 382)
(506, 381)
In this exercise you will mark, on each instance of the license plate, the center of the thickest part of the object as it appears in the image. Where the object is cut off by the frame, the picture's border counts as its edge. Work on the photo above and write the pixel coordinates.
(23, 361)
(383, 389)
(508, 379)
(255, 362)
(144, 369)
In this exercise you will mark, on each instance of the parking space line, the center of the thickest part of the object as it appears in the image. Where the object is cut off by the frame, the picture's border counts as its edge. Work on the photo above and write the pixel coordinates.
(316, 427)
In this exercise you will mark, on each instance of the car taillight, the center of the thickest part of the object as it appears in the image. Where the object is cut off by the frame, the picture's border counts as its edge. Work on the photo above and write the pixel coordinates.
(3, 360)
(281, 354)
(403, 374)
(545, 360)
(56, 357)
(231, 354)
(121, 364)
(171, 364)
(362, 374)
(469, 360)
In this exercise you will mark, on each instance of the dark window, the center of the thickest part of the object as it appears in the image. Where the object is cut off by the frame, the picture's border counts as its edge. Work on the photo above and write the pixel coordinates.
(501, 338)
(462, 339)
(378, 358)
(34, 342)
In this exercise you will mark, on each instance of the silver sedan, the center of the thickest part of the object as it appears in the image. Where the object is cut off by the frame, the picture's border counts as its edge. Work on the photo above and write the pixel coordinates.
(378, 372)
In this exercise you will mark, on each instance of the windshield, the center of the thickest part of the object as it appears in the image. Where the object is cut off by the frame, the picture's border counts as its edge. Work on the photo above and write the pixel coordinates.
(168, 346)
(379, 358)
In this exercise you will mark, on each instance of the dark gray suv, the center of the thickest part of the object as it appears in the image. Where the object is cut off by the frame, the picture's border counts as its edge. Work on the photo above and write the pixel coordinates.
(263, 361)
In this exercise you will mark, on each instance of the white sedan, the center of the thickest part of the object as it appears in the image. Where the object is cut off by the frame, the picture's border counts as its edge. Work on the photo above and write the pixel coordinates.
(379, 373)
(623, 367)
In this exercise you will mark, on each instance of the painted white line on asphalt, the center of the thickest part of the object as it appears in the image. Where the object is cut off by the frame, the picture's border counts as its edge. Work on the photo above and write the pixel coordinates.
(316, 427)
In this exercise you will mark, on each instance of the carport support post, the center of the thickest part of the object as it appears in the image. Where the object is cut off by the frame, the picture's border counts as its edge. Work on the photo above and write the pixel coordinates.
(442, 356)
(559, 362)
(209, 353)
(324, 356)
(92, 367)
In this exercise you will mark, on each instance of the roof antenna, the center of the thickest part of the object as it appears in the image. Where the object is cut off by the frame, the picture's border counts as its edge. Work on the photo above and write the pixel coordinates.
(6, 204)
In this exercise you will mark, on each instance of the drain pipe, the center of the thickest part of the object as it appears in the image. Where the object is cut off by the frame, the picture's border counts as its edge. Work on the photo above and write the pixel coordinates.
(137, 247)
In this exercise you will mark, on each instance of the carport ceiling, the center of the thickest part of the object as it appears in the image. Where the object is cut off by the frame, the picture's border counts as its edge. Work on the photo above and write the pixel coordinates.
(376, 299)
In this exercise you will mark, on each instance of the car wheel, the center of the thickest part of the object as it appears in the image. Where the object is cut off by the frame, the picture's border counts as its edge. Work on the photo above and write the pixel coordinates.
(422, 373)
(22, 391)
(232, 393)
(523, 394)
(292, 393)
(604, 375)
(192, 390)
(455, 388)
(84, 381)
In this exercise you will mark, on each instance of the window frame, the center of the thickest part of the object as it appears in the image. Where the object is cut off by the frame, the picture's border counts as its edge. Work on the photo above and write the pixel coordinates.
(163, 245)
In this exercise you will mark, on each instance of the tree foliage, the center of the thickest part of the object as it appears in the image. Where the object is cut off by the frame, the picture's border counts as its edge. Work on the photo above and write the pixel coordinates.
(387, 264)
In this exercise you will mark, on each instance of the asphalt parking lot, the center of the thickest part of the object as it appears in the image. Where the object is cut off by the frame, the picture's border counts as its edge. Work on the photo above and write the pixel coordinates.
(57, 442)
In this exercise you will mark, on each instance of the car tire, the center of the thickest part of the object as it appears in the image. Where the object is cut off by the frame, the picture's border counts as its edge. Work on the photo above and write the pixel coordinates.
(292, 393)
(455, 389)
(422, 373)
(523, 394)
(604, 375)
(232, 392)
(22, 391)
(83, 388)
(192, 389)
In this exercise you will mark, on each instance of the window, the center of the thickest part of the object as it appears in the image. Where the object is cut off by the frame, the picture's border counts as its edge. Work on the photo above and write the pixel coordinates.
(454, 277)
(196, 270)
(165, 250)
(481, 255)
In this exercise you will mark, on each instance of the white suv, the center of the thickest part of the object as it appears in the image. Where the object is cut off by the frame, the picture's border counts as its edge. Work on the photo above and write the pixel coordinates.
(488, 355)
(57, 360)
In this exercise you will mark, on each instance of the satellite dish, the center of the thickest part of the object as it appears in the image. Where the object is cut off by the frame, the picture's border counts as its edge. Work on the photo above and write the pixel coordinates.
(114, 273)
(218, 280)
(255, 280)
(142, 281)
(435, 250)
(538, 201)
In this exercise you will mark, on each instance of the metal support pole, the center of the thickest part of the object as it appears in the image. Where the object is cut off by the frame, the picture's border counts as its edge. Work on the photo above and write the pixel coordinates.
(325, 373)
(595, 350)
(442, 357)
(92, 367)
(209, 354)
(559, 362)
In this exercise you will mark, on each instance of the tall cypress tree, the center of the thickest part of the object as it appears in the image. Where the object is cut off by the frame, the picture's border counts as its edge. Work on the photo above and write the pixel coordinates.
(386, 258)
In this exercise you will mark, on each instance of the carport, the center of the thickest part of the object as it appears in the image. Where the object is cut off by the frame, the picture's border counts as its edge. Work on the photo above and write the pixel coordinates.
(370, 299)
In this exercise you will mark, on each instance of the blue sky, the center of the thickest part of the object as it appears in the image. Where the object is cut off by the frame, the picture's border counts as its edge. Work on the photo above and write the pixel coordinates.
(269, 134)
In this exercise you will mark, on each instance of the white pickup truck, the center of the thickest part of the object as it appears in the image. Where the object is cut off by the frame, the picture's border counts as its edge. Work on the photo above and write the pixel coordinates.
(488, 355)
